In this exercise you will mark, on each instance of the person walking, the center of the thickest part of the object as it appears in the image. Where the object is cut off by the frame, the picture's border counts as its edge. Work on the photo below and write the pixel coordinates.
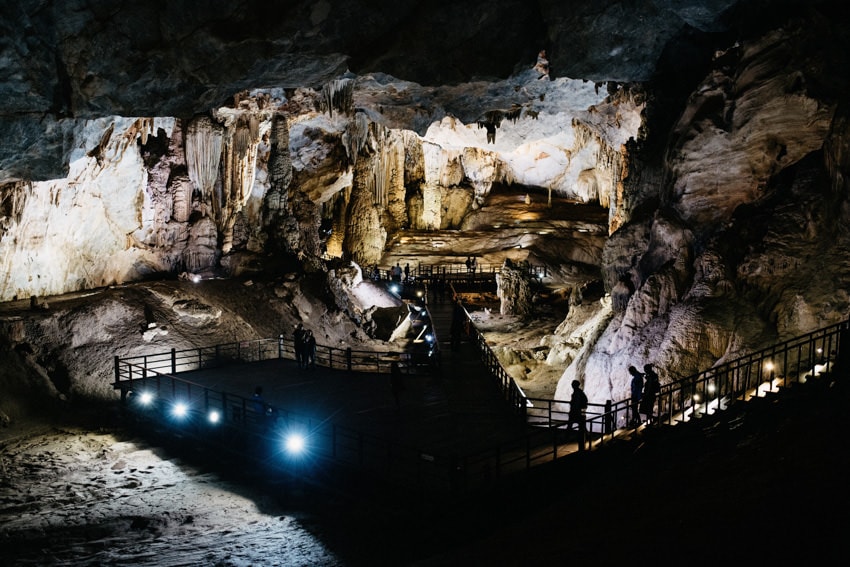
(651, 387)
(578, 407)
(637, 394)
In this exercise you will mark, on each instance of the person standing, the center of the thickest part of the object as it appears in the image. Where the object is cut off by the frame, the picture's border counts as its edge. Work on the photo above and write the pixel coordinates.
(407, 273)
(637, 394)
(651, 387)
(578, 407)
(309, 350)
(299, 335)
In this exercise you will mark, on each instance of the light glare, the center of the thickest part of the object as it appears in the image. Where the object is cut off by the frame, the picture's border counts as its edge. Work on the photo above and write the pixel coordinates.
(214, 416)
(179, 409)
(294, 443)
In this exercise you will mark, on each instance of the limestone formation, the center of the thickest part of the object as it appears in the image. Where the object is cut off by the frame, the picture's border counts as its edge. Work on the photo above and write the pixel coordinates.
(514, 290)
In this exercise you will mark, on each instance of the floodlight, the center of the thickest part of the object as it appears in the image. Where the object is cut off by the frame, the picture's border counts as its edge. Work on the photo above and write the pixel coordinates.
(214, 416)
(146, 398)
(179, 409)
(295, 443)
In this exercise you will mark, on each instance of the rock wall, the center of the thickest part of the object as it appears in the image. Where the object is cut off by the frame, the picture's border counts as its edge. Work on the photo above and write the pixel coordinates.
(718, 253)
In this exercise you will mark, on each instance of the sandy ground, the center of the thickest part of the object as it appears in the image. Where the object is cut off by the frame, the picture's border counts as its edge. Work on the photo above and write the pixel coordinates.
(76, 495)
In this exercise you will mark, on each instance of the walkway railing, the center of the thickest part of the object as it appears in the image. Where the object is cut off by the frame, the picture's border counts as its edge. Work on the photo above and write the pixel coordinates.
(176, 361)
(452, 271)
(205, 410)
(757, 374)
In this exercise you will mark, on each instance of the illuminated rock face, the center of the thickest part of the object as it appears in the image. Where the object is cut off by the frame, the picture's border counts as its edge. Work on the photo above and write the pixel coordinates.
(272, 175)
(734, 259)
(723, 197)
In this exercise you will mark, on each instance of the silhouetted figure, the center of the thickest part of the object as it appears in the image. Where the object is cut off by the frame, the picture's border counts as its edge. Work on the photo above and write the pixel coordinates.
(651, 387)
(458, 321)
(407, 272)
(309, 350)
(637, 394)
(578, 407)
(396, 383)
(299, 335)
(397, 272)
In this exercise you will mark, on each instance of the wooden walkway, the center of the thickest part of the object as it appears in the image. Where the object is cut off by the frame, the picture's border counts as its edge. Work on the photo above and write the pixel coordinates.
(456, 410)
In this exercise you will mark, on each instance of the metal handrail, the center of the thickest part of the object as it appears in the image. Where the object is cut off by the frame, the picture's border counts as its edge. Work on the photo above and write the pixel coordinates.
(754, 375)
(257, 350)
(791, 362)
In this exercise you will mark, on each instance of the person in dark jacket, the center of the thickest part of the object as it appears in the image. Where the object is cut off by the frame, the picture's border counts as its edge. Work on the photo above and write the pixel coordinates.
(299, 335)
(578, 406)
(309, 350)
(651, 387)
(637, 394)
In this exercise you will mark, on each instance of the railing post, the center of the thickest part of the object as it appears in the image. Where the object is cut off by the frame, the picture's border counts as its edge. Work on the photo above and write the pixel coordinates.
(117, 369)
(174, 361)
(609, 416)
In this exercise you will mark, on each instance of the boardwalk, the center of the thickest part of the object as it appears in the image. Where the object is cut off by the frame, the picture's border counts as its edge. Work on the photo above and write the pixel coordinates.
(448, 423)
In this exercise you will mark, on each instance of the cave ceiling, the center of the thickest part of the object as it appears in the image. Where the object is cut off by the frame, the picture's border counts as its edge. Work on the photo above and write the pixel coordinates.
(77, 59)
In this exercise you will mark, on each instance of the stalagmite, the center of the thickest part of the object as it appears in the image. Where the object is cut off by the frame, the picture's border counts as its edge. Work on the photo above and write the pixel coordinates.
(280, 164)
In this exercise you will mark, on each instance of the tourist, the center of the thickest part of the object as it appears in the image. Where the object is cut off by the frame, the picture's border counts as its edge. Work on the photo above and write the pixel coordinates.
(578, 407)
(299, 335)
(309, 350)
(637, 392)
(651, 387)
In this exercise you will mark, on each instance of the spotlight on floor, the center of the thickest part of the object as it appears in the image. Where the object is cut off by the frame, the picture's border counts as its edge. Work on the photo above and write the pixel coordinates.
(214, 416)
(295, 444)
(179, 410)
(395, 288)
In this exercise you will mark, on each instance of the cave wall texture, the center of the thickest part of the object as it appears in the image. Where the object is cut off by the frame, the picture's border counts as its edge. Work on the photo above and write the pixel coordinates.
(217, 138)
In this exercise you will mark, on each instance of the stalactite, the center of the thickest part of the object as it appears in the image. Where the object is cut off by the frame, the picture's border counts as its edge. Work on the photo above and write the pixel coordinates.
(245, 133)
(355, 136)
(338, 94)
(13, 197)
(203, 154)
(240, 156)
(385, 165)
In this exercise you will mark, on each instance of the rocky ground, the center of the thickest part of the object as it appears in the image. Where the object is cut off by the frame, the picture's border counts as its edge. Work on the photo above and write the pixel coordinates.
(78, 490)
